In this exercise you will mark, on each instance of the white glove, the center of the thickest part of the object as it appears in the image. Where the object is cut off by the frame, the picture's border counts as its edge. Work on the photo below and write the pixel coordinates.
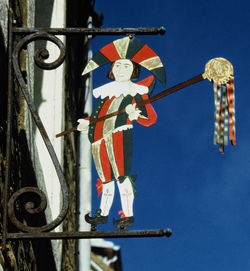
(83, 126)
(133, 113)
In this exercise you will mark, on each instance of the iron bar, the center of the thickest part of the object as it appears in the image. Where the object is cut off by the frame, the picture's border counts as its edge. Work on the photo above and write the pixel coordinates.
(8, 132)
(92, 31)
(91, 234)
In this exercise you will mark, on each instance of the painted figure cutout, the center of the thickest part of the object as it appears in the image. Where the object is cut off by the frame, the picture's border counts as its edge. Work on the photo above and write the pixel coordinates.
(111, 139)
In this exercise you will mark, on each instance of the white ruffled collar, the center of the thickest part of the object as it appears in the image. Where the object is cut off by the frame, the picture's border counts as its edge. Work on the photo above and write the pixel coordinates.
(119, 88)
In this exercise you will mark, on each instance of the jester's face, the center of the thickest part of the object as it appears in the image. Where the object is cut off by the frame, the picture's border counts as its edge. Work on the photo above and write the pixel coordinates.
(122, 70)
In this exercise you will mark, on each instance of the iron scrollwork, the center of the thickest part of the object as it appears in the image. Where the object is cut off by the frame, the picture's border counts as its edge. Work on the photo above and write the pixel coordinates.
(32, 199)
(40, 56)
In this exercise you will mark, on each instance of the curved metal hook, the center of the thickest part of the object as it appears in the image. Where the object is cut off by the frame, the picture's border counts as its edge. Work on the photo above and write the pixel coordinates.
(39, 57)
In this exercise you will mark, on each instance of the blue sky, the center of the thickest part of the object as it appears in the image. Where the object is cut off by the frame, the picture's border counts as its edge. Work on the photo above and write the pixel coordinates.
(183, 181)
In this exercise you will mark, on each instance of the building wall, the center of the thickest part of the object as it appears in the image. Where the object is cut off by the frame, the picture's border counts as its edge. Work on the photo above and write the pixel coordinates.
(19, 255)
(76, 59)
(27, 169)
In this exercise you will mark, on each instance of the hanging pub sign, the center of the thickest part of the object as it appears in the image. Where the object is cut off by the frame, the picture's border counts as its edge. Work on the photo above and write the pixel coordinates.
(111, 138)
(124, 101)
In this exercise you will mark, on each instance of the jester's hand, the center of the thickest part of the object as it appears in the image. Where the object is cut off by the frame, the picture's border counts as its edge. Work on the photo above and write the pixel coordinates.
(83, 126)
(133, 113)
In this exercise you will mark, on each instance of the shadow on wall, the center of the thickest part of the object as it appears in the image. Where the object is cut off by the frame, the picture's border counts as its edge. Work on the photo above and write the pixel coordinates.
(43, 16)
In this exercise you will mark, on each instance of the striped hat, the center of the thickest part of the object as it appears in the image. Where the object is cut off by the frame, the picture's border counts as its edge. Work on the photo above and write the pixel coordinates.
(132, 49)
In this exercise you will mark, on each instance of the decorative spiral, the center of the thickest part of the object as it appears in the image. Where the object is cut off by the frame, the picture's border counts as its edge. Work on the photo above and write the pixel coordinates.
(39, 58)
(42, 53)
(29, 206)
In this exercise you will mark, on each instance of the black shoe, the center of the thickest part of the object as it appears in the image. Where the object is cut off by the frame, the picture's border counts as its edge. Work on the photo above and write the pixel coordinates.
(125, 221)
(97, 219)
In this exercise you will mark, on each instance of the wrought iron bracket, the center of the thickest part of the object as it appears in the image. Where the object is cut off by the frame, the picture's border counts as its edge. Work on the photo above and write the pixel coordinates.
(91, 31)
(91, 234)
(29, 232)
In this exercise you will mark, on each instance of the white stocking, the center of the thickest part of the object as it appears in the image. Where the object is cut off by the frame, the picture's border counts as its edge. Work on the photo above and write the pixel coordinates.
(127, 196)
(107, 197)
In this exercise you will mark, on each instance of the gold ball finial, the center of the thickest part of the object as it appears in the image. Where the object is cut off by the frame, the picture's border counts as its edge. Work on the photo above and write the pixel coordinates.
(218, 70)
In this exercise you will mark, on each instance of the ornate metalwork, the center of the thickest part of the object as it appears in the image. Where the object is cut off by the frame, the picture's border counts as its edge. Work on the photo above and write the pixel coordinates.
(39, 58)
(36, 207)
(218, 69)
(29, 207)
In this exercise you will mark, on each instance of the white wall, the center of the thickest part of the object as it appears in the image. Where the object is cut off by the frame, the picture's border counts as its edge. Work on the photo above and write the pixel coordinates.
(48, 95)
(4, 19)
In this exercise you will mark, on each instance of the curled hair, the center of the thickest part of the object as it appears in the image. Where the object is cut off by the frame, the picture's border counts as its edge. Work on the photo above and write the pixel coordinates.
(134, 76)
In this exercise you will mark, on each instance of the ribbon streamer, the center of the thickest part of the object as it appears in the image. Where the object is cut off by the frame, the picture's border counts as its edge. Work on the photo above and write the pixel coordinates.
(231, 111)
(224, 114)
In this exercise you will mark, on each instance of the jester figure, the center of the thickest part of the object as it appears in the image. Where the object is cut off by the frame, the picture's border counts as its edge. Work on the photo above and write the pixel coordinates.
(111, 138)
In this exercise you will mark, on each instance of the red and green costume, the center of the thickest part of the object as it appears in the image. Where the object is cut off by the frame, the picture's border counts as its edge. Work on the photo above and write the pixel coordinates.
(111, 139)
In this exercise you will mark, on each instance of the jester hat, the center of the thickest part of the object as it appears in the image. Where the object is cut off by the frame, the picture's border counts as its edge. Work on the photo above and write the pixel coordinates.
(132, 49)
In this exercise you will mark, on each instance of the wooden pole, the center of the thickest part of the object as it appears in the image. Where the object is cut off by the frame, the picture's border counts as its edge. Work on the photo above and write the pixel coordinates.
(162, 94)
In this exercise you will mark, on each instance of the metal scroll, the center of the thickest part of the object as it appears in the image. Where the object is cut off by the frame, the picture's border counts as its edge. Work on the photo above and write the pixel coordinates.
(30, 207)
